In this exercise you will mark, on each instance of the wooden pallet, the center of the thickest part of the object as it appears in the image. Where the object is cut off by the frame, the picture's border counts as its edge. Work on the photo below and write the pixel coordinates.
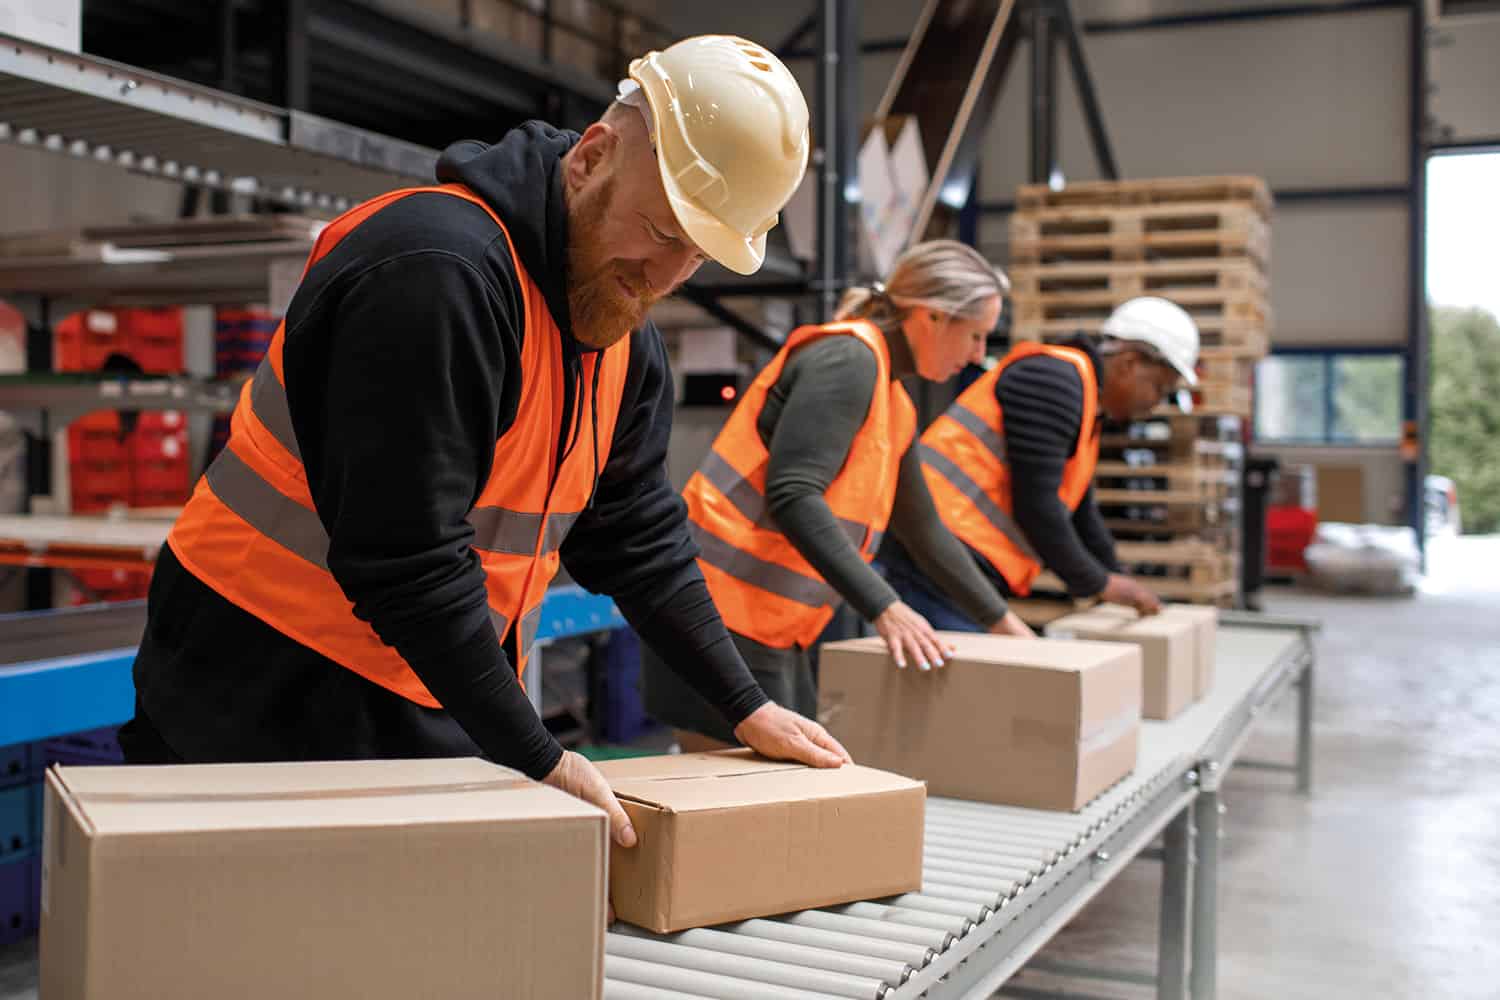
(1186, 282)
(1207, 477)
(1220, 592)
(1210, 454)
(1223, 534)
(1238, 324)
(1142, 233)
(1154, 191)
(1194, 560)
(1218, 399)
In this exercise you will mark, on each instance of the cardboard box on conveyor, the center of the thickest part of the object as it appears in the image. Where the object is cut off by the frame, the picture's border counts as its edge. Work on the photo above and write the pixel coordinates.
(730, 835)
(1020, 722)
(1178, 645)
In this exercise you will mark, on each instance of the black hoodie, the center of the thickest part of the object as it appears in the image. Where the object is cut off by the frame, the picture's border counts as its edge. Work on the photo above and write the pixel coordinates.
(402, 367)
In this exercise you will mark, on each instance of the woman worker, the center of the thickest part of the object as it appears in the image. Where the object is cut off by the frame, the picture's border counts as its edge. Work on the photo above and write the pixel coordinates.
(817, 460)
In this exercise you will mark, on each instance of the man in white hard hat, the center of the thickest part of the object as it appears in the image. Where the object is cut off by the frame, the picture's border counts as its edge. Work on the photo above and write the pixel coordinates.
(464, 395)
(1011, 464)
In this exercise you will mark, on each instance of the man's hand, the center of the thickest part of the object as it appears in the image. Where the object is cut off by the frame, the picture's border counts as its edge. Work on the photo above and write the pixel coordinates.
(1122, 589)
(577, 776)
(909, 636)
(775, 732)
(1012, 625)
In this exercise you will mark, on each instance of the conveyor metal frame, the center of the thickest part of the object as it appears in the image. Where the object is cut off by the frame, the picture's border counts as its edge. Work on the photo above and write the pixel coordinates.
(1178, 803)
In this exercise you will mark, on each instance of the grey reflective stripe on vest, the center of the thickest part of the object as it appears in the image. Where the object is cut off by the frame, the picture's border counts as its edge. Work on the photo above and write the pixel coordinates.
(752, 504)
(500, 622)
(961, 481)
(975, 425)
(558, 526)
(757, 572)
(510, 532)
(529, 625)
(259, 504)
(268, 400)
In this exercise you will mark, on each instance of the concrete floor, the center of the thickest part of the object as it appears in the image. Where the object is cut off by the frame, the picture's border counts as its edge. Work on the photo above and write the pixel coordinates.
(1386, 882)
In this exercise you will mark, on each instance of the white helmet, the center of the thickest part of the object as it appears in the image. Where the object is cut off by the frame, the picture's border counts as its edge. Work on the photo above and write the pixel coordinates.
(1162, 325)
(730, 127)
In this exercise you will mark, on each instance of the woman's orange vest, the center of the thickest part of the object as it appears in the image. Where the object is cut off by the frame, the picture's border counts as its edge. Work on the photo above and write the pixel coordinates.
(963, 458)
(762, 585)
(251, 532)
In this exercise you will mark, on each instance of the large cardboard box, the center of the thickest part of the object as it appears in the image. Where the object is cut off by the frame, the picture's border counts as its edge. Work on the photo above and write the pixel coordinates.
(371, 879)
(1169, 649)
(730, 835)
(1014, 721)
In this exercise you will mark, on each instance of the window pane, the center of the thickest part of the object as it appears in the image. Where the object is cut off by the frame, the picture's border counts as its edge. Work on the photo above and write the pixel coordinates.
(1366, 398)
(1289, 398)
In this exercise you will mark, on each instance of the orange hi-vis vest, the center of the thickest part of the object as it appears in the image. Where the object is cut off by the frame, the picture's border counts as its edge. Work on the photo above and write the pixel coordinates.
(763, 587)
(251, 532)
(963, 459)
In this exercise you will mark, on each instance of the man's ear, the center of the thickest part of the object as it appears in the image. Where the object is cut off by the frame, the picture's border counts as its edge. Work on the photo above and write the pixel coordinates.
(596, 148)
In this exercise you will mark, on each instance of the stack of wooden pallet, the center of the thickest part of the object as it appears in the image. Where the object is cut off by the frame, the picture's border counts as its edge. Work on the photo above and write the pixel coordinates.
(1169, 488)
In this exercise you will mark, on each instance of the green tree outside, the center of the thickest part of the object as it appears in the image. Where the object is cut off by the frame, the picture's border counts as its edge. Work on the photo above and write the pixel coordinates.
(1465, 411)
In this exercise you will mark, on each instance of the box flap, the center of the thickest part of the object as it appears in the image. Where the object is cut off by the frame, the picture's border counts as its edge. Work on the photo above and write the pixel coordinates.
(1122, 622)
(217, 797)
(737, 778)
(1007, 651)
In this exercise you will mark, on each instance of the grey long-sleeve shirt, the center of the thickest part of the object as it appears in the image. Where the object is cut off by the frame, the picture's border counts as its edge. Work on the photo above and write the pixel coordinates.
(809, 423)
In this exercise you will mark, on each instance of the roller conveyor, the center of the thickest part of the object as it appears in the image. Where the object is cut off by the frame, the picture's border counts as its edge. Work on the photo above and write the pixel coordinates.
(999, 881)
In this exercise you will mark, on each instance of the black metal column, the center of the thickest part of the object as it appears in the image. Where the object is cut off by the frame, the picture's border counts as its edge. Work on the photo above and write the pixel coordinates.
(1088, 97)
(297, 69)
(1414, 396)
(1043, 92)
(229, 46)
(836, 134)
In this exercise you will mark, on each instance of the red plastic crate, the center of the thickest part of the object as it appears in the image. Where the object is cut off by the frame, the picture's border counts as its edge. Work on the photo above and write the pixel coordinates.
(159, 446)
(154, 338)
(160, 498)
(111, 585)
(1289, 531)
(160, 478)
(104, 478)
(97, 438)
(161, 420)
(97, 503)
(82, 341)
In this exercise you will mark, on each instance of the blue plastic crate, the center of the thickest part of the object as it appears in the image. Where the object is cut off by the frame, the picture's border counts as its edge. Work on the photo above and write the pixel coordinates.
(20, 897)
(20, 820)
(624, 717)
(94, 747)
(20, 763)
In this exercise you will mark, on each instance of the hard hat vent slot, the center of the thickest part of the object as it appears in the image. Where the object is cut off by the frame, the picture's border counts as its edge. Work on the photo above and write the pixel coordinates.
(763, 67)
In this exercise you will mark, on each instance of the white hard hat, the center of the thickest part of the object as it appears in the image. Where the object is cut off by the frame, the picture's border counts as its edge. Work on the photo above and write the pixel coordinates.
(731, 141)
(1164, 326)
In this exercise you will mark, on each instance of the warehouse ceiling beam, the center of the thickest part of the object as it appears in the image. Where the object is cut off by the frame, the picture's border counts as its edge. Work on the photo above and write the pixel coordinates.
(1104, 26)
(711, 305)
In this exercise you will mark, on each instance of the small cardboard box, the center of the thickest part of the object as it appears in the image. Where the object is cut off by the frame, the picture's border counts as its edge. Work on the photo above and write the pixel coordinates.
(371, 879)
(730, 835)
(1020, 722)
(1206, 620)
(1169, 651)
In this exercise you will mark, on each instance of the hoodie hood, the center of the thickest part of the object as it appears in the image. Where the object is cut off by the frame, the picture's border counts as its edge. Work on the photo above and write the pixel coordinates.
(520, 177)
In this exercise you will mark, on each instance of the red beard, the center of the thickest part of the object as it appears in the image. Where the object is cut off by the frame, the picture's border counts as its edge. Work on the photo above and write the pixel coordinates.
(601, 311)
